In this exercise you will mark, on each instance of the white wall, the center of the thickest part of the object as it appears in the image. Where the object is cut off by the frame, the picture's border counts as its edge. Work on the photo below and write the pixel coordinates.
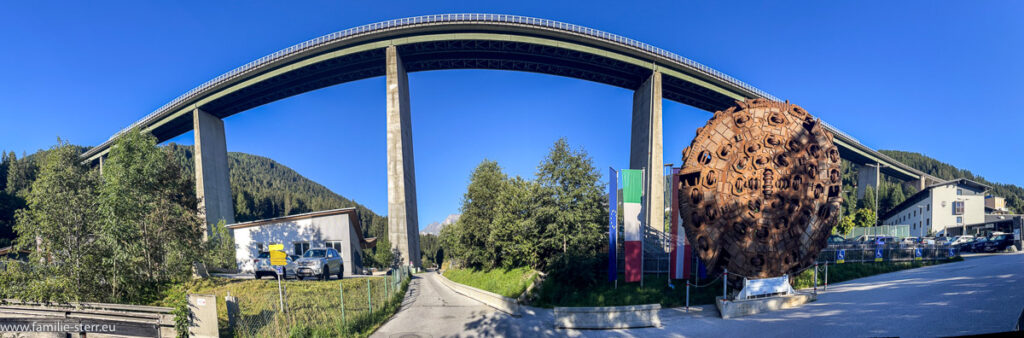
(974, 207)
(935, 212)
(316, 231)
(917, 213)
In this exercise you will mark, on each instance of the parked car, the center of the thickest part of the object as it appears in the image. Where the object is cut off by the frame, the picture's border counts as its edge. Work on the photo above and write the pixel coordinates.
(320, 262)
(961, 240)
(836, 239)
(974, 246)
(263, 267)
(883, 240)
(997, 243)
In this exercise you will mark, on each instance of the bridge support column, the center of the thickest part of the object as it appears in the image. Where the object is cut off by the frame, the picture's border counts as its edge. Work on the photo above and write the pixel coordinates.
(646, 149)
(213, 186)
(868, 175)
(403, 221)
(920, 183)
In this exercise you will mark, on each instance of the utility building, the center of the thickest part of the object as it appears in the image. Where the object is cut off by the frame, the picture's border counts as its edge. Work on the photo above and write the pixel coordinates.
(338, 229)
(942, 209)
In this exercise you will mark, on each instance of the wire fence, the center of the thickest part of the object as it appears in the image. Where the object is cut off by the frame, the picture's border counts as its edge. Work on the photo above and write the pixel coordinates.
(332, 308)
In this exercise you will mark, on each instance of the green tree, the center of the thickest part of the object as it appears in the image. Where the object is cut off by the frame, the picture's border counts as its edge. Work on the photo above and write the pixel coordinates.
(865, 218)
(514, 231)
(572, 209)
(383, 255)
(59, 228)
(868, 202)
(220, 248)
(897, 196)
(844, 227)
(151, 223)
(22, 172)
(479, 207)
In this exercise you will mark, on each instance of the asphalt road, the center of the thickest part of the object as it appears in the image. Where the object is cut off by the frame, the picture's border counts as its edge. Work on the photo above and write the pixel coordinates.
(431, 309)
(978, 295)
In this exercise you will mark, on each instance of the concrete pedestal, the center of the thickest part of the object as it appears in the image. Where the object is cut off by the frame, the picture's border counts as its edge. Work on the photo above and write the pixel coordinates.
(740, 308)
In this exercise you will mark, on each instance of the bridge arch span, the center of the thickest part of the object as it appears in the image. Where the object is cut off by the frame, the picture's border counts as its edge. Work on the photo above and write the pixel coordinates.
(435, 42)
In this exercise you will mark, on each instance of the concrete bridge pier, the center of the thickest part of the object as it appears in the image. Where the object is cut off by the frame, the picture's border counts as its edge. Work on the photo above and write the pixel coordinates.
(645, 149)
(403, 221)
(868, 175)
(213, 186)
(920, 184)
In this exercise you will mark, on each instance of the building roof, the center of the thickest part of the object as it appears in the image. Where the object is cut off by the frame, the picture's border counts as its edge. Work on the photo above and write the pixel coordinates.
(995, 218)
(963, 182)
(921, 195)
(353, 217)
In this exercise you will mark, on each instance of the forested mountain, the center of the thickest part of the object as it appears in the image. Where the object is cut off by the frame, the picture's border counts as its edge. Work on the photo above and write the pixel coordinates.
(264, 188)
(1014, 194)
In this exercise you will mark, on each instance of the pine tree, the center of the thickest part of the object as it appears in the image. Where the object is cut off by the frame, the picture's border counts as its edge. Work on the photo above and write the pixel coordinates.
(868, 202)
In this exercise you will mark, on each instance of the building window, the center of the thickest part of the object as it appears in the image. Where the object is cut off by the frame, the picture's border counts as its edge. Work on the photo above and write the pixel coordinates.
(301, 247)
(336, 245)
(927, 207)
(927, 221)
(959, 191)
(258, 247)
(958, 208)
(959, 219)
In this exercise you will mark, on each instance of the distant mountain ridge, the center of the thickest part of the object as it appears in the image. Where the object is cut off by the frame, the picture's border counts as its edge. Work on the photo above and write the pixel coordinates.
(1014, 194)
(435, 228)
(263, 189)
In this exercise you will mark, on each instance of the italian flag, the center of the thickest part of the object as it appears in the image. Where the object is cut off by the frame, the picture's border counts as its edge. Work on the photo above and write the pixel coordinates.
(680, 259)
(632, 196)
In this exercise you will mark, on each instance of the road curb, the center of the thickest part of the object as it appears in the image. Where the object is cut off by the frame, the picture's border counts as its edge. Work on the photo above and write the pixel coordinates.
(608, 317)
(499, 302)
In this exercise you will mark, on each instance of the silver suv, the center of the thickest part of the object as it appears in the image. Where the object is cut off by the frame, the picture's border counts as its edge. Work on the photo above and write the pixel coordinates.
(263, 268)
(320, 262)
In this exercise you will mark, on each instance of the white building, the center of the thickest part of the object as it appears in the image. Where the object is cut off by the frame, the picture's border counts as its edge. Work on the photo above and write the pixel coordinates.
(338, 228)
(941, 209)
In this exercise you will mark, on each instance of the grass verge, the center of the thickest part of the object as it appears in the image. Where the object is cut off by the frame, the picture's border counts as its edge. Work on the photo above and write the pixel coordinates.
(509, 283)
(312, 308)
(656, 288)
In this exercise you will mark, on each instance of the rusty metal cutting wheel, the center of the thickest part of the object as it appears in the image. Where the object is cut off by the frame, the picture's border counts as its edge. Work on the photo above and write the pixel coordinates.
(759, 189)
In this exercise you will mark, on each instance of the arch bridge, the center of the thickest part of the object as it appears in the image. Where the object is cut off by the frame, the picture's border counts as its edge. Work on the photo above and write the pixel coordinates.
(457, 41)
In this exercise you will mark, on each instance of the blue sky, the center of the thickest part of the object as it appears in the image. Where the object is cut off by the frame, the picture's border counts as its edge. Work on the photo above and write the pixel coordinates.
(941, 80)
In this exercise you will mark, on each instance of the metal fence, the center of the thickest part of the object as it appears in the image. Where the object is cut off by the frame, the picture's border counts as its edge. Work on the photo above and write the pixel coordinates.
(858, 253)
(881, 230)
(332, 308)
